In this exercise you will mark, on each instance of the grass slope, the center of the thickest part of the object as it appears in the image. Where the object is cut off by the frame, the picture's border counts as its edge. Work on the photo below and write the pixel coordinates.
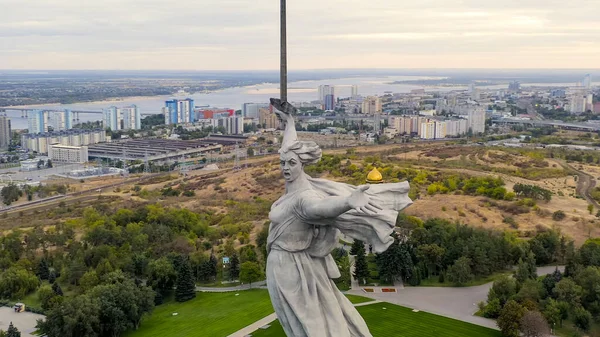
(434, 281)
(355, 299)
(209, 314)
(399, 321)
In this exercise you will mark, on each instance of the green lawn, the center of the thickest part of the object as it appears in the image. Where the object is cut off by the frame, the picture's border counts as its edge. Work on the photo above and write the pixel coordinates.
(399, 321)
(355, 299)
(434, 281)
(209, 314)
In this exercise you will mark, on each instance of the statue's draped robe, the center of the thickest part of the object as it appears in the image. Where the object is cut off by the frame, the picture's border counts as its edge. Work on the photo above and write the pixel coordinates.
(300, 267)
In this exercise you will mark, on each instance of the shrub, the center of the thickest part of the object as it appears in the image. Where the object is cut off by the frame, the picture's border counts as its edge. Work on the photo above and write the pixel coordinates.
(509, 220)
(558, 215)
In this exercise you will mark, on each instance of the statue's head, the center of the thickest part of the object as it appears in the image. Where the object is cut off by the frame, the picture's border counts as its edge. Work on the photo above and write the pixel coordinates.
(295, 156)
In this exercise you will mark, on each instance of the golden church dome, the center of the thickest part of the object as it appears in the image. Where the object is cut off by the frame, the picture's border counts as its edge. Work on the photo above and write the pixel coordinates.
(374, 177)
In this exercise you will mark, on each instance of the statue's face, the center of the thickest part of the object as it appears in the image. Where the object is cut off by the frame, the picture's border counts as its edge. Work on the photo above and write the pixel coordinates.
(291, 167)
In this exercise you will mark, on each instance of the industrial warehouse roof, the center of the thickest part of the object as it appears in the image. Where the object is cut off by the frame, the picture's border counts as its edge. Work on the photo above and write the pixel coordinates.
(151, 148)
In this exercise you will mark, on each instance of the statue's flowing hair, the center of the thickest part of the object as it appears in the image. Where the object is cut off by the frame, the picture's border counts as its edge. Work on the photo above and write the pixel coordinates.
(308, 151)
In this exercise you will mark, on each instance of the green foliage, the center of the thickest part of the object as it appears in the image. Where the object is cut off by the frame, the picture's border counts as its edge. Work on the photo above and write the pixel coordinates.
(582, 319)
(532, 191)
(10, 194)
(509, 320)
(46, 295)
(16, 282)
(250, 272)
(12, 331)
(567, 291)
(503, 290)
(492, 309)
(526, 269)
(185, 286)
(361, 268)
(460, 273)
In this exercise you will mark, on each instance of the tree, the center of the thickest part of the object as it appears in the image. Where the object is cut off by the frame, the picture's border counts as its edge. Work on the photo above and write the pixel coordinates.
(250, 272)
(582, 318)
(10, 194)
(17, 282)
(45, 295)
(357, 246)
(590, 208)
(12, 331)
(552, 313)
(492, 309)
(503, 289)
(431, 255)
(250, 152)
(234, 267)
(510, 317)
(460, 272)
(186, 287)
(361, 267)
(533, 324)
(567, 291)
(526, 269)
(52, 276)
(89, 280)
(162, 275)
(43, 270)
(531, 290)
(57, 290)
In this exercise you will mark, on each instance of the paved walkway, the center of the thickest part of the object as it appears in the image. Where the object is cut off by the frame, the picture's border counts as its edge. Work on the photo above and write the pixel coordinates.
(457, 303)
(255, 285)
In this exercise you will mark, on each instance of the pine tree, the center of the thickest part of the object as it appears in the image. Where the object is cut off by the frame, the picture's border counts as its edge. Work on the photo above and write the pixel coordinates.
(52, 276)
(361, 267)
(12, 331)
(357, 246)
(186, 287)
(234, 266)
(57, 290)
(212, 264)
(43, 270)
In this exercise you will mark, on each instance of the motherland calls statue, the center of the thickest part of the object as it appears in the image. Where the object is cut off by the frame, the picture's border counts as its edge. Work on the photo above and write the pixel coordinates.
(305, 224)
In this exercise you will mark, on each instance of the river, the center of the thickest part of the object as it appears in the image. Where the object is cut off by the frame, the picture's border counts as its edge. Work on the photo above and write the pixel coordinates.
(304, 91)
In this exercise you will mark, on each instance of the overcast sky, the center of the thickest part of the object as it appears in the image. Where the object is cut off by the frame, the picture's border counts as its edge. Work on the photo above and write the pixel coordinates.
(244, 34)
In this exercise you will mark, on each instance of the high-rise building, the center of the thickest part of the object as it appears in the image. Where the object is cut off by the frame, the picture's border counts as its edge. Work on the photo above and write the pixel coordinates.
(250, 110)
(37, 121)
(5, 132)
(476, 119)
(327, 96)
(61, 120)
(132, 119)
(377, 123)
(126, 118)
(233, 125)
(112, 118)
(587, 81)
(268, 119)
(178, 111)
(354, 91)
(514, 87)
(39, 142)
(577, 103)
(371, 105)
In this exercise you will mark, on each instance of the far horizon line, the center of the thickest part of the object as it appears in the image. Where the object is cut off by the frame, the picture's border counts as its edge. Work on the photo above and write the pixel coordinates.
(306, 69)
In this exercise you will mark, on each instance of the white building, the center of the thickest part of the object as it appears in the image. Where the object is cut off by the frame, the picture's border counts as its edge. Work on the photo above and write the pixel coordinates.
(68, 154)
(126, 118)
(251, 110)
(456, 127)
(427, 130)
(39, 142)
(37, 121)
(61, 120)
(354, 91)
(577, 103)
(587, 81)
(476, 119)
(233, 125)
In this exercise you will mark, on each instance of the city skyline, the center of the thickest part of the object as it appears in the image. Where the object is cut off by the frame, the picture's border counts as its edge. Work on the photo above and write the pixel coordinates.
(336, 34)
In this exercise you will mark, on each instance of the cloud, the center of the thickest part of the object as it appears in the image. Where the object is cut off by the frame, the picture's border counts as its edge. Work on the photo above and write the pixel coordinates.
(243, 34)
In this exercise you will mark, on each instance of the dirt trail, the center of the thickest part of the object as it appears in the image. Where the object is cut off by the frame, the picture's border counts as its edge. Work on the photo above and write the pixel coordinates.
(585, 184)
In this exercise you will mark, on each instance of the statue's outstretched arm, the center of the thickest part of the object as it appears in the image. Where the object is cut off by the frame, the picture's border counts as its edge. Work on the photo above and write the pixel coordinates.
(332, 207)
(285, 112)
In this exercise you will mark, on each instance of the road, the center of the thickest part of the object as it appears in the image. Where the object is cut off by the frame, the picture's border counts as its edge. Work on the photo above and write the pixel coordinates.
(457, 303)
(24, 321)
(585, 184)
